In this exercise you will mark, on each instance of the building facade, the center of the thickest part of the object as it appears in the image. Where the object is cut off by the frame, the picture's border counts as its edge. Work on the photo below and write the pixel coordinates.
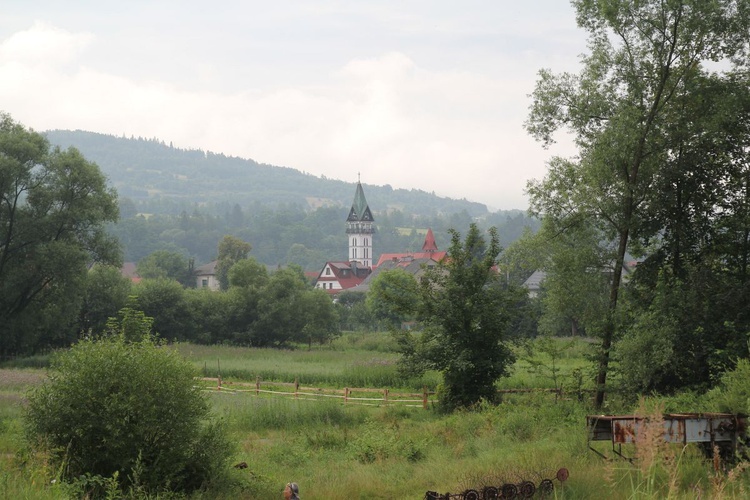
(360, 227)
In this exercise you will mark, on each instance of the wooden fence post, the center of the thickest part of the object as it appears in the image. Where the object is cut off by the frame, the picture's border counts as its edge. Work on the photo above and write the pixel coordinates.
(424, 397)
(385, 396)
(346, 395)
(296, 387)
(257, 385)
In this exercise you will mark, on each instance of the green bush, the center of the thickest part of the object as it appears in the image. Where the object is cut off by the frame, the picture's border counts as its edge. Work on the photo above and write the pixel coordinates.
(733, 394)
(128, 411)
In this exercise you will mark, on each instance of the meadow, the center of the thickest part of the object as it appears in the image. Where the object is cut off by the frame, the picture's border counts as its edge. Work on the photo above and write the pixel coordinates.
(343, 451)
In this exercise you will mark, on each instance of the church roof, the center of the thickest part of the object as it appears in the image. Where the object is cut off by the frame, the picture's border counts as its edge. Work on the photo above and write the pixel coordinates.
(360, 211)
(429, 242)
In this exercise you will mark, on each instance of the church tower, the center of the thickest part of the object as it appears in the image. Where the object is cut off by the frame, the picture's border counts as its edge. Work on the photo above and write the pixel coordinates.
(360, 228)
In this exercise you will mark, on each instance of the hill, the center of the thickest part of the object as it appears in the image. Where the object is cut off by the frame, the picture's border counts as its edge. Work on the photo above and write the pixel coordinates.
(161, 178)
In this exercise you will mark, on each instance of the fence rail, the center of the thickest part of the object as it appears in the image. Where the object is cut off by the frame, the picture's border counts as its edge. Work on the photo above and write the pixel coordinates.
(349, 395)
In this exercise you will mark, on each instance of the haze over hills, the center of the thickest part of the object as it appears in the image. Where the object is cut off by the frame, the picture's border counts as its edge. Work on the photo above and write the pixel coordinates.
(159, 177)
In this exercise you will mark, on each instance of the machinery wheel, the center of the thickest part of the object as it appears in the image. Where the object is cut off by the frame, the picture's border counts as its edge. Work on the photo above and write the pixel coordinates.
(509, 490)
(527, 489)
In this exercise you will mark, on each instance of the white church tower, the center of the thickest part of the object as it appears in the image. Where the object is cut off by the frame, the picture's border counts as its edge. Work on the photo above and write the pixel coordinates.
(360, 228)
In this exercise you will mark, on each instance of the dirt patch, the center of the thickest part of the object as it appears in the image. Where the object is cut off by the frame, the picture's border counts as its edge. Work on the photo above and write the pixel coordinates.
(19, 379)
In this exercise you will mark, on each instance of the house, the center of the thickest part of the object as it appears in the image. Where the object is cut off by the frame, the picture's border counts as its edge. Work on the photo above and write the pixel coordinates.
(338, 276)
(429, 251)
(534, 283)
(414, 266)
(205, 276)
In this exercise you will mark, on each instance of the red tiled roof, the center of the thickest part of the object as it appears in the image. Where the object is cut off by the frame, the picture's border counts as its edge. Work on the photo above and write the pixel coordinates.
(401, 257)
(429, 242)
(343, 274)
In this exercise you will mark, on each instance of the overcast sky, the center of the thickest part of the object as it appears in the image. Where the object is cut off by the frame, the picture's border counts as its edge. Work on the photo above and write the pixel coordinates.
(416, 94)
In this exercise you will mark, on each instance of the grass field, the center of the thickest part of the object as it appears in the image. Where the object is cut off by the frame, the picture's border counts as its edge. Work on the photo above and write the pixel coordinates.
(337, 451)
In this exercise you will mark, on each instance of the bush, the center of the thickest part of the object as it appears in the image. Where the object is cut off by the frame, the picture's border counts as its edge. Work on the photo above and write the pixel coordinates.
(128, 411)
(733, 394)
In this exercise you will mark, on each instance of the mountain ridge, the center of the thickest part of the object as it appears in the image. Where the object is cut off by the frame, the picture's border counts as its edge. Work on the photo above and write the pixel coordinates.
(153, 173)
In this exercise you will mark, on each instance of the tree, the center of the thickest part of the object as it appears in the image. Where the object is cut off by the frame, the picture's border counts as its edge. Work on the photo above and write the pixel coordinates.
(143, 423)
(164, 300)
(165, 264)
(353, 311)
(231, 251)
(393, 296)
(248, 273)
(53, 209)
(279, 309)
(107, 291)
(464, 312)
(643, 56)
(321, 317)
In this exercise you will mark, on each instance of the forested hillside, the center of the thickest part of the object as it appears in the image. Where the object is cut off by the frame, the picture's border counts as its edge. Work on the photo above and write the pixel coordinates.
(185, 201)
(162, 179)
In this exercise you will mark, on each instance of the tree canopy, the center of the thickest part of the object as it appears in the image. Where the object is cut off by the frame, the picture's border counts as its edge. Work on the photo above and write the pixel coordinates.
(54, 205)
(464, 313)
(643, 111)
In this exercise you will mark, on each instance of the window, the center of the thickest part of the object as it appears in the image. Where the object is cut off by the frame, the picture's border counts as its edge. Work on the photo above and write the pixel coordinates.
(204, 282)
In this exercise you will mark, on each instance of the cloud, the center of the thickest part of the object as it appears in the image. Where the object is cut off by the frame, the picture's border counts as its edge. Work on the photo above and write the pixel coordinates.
(455, 132)
(43, 44)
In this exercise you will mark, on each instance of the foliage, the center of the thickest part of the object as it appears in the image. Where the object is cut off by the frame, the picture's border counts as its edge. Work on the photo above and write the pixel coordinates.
(543, 356)
(318, 444)
(464, 313)
(127, 411)
(353, 311)
(107, 291)
(164, 300)
(733, 392)
(643, 138)
(248, 272)
(165, 264)
(393, 296)
(231, 251)
(54, 205)
(131, 324)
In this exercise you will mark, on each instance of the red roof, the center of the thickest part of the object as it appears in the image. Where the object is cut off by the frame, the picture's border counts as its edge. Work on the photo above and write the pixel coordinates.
(346, 275)
(429, 251)
(429, 242)
(401, 257)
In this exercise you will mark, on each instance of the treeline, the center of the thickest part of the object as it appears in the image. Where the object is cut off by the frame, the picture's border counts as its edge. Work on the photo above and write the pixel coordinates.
(289, 234)
(257, 309)
(160, 178)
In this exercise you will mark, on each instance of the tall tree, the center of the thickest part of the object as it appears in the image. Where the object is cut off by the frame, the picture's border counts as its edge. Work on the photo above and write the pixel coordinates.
(165, 264)
(53, 209)
(231, 251)
(393, 296)
(643, 55)
(465, 313)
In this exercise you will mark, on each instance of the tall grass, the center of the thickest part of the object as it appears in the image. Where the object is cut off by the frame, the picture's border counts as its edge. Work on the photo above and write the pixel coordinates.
(337, 451)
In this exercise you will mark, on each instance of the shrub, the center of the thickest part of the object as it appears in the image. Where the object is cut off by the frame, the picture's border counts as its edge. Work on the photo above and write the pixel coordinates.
(129, 411)
(733, 394)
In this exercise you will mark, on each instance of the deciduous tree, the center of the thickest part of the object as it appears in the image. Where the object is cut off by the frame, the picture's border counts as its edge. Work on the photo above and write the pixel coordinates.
(53, 209)
(464, 312)
(643, 55)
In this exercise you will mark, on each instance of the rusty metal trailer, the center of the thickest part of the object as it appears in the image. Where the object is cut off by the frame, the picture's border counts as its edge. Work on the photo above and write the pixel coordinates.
(725, 430)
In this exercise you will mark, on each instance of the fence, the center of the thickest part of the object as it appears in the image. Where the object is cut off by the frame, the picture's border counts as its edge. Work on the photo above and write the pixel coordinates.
(349, 395)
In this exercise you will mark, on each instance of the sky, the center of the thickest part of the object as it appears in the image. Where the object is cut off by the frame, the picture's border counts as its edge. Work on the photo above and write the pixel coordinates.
(428, 95)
